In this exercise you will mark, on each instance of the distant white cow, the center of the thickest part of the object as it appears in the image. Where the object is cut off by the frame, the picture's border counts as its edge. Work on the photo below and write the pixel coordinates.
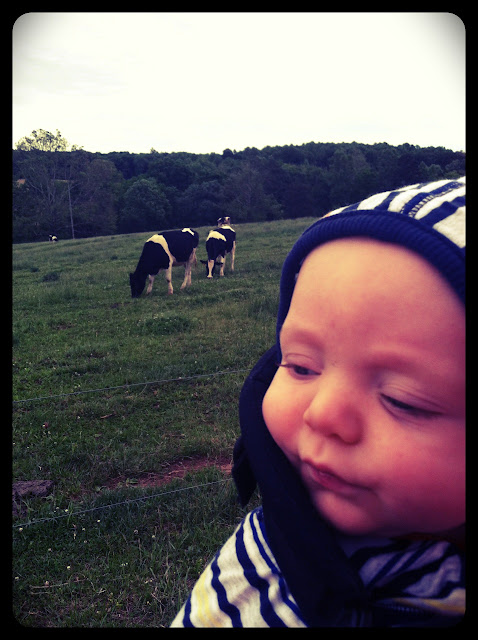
(220, 242)
(52, 238)
(162, 252)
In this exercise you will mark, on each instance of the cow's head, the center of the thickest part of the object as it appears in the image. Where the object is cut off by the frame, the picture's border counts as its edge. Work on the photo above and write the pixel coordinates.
(137, 284)
(217, 263)
(223, 221)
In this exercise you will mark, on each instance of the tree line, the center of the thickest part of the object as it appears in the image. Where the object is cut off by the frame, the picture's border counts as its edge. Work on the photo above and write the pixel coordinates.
(73, 193)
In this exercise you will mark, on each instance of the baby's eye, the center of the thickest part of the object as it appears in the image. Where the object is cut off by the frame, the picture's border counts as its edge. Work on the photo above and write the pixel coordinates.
(298, 370)
(409, 409)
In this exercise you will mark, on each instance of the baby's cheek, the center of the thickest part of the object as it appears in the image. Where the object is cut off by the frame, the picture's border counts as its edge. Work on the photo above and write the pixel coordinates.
(267, 409)
(277, 416)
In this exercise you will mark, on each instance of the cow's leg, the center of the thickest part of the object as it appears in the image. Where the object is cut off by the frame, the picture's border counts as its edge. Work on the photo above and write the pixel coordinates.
(188, 267)
(194, 259)
(210, 267)
(223, 264)
(150, 285)
(168, 276)
(187, 275)
(233, 255)
(192, 262)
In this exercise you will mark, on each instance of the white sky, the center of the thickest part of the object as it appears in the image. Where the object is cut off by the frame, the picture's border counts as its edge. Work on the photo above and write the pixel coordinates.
(204, 82)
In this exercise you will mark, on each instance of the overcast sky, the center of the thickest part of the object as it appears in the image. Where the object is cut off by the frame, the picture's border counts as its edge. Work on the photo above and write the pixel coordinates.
(205, 82)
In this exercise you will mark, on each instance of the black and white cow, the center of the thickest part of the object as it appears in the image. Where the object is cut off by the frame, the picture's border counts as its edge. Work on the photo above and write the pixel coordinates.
(162, 252)
(220, 242)
(52, 238)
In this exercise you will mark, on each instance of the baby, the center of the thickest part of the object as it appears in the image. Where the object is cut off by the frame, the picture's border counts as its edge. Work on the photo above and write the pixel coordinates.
(353, 427)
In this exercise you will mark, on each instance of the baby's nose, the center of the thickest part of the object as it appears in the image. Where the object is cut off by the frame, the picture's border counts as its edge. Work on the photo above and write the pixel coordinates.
(335, 411)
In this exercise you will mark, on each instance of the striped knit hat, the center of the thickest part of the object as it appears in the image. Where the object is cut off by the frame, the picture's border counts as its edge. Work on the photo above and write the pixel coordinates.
(426, 218)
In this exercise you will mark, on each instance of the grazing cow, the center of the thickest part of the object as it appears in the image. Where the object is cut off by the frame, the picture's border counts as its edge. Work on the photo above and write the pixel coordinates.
(164, 251)
(220, 242)
(52, 238)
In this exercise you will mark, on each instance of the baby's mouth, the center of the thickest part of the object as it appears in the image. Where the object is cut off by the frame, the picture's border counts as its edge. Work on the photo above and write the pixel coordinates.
(321, 477)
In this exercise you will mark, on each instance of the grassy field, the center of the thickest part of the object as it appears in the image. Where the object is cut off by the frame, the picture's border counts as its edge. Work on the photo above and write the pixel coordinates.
(141, 497)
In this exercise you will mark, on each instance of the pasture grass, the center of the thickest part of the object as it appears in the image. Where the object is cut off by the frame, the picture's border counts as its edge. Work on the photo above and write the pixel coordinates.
(78, 561)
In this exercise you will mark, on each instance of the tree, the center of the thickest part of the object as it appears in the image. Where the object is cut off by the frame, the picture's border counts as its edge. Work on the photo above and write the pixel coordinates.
(350, 176)
(246, 200)
(43, 171)
(27, 226)
(407, 165)
(42, 140)
(145, 207)
(172, 170)
(95, 193)
(68, 192)
(200, 204)
(429, 173)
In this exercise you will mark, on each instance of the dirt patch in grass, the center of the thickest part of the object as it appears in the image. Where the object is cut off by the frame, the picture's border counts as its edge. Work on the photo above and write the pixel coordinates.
(23, 490)
(174, 470)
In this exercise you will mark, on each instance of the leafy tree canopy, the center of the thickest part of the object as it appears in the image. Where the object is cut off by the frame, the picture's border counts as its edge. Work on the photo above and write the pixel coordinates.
(66, 191)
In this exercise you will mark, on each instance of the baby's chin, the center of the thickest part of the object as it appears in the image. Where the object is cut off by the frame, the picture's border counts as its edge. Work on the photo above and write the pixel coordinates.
(358, 517)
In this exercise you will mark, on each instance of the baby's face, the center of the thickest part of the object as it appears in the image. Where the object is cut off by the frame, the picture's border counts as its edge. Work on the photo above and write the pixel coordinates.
(369, 405)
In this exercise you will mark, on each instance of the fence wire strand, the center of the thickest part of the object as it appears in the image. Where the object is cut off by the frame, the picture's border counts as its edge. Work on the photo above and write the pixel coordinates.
(133, 500)
(132, 384)
(73, 514)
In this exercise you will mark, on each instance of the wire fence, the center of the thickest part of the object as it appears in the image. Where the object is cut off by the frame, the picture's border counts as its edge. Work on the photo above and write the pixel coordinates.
(72, 514)
(132, 384)
(68, 513)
